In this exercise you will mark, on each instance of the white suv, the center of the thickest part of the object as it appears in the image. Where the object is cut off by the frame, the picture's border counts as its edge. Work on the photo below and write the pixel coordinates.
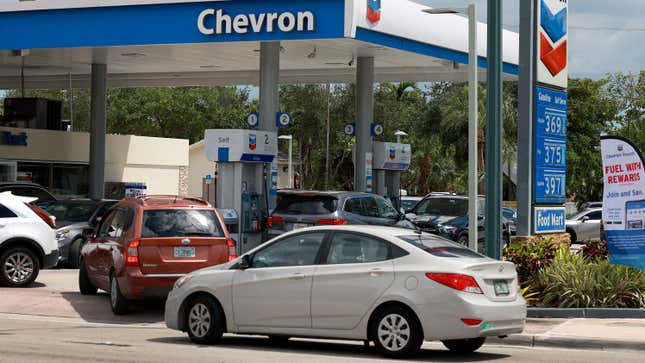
(27, 240)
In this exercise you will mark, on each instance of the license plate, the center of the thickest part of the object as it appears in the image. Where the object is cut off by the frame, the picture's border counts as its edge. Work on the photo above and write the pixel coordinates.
(184, 252)
(300, 225)
(501, 288)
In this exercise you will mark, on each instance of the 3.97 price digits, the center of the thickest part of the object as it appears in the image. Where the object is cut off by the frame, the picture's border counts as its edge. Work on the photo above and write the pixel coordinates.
(553, 185)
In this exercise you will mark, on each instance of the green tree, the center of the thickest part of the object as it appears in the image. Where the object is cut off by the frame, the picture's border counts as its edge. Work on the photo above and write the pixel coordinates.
(591, 112)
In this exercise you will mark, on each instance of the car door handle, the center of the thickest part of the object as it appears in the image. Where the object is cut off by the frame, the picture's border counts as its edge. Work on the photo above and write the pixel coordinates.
(297, 276)
(377, 272)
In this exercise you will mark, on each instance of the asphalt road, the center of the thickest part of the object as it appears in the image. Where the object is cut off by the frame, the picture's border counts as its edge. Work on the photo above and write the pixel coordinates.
(52, 322)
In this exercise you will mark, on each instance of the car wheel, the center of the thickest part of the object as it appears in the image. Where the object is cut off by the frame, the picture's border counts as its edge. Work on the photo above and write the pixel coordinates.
(20, 267)
(205, 320)
(572, 236)
(396, 332)
(84, 283)
(118, 302)
(464, 346)
(74, 258)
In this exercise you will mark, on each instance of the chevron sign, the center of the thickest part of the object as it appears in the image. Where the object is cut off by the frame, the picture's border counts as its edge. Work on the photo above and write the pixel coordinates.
(552, 42)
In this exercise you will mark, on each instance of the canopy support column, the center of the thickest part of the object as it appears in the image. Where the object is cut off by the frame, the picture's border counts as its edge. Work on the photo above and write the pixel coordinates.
(364, 119)
(97, 131)
(269, 96)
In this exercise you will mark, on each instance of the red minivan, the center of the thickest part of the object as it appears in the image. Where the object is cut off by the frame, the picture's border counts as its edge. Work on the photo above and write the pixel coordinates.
(143, 245)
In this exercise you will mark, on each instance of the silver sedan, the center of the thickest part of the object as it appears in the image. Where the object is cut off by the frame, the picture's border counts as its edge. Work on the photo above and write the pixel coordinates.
(391, 286)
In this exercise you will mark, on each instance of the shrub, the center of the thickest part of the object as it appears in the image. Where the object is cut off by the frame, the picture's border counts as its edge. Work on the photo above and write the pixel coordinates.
(573, 281)
(530, 257)
(595, 250)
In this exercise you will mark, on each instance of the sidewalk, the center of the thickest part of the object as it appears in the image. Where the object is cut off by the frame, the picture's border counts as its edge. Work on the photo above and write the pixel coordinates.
(601, 334)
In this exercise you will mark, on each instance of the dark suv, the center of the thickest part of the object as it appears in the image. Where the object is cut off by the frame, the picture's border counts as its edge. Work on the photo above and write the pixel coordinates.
(299, 209)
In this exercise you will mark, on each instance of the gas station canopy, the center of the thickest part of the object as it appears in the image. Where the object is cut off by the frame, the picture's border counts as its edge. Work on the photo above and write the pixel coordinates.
(193, 42)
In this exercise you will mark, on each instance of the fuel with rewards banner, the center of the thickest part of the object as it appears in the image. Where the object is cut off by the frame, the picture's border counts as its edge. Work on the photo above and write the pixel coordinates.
(624, 201)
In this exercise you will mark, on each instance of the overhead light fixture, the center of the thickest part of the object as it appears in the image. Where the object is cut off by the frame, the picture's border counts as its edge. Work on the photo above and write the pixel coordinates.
(312, 55)
(133, 55)
(20, 52)
(208, 66)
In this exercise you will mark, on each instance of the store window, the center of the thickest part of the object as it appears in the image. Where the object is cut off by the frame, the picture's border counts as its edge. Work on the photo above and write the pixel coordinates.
(62, 180)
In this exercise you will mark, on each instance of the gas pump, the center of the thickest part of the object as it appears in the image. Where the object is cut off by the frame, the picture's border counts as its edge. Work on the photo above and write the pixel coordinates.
(241, 181)
(390, 159)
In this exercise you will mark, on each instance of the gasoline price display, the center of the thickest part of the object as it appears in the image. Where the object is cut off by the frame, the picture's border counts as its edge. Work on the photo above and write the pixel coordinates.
(552, 153)
(553, 185)
(555, 124)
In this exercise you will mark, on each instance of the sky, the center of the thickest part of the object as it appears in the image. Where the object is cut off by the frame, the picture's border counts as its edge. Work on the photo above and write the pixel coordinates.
(605, 36)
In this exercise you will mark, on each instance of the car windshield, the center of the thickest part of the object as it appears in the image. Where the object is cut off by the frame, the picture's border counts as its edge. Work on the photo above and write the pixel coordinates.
(451, 207)
(180, 223)
(306, 204)
(408, 204)
(439, 247)
(70, 211)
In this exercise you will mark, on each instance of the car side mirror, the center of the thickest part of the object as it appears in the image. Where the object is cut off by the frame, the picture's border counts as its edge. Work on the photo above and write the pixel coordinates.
(585, 219)
(245, 263)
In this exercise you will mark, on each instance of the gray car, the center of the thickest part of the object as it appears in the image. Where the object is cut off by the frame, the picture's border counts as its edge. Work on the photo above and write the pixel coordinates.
(585, 226)
(301, 209)
(73, 217)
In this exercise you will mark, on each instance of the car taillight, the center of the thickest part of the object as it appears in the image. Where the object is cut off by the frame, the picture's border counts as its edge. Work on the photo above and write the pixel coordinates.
(232, 249)
(273, 219)
(456, 281)
(331, 222)
(132, 253)
(471, 322)
(50, 220)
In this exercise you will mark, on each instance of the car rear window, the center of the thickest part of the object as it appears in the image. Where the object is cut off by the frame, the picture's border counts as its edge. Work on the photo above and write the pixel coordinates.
(306, 204)
(452, 207)
(439, 247)
(180, 223)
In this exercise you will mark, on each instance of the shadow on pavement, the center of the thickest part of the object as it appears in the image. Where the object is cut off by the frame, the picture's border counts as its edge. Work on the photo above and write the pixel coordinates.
(96, 309)
(329, 349)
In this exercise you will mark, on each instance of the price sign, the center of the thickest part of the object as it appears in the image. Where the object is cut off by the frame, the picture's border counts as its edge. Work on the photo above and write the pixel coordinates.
(550, 154)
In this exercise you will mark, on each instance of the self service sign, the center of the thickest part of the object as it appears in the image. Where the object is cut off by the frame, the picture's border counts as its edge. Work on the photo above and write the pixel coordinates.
(623, 209)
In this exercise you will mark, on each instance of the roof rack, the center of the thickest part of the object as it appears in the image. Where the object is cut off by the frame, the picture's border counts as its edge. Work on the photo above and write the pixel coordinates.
(176, 198)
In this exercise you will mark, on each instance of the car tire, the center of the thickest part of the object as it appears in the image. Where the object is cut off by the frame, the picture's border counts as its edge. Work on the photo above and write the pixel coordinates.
(19, 267)
(572, 236)
(205, 320)
(74, 257)
(118, 303)
(396, 332)
(84, 284)
(464, 346)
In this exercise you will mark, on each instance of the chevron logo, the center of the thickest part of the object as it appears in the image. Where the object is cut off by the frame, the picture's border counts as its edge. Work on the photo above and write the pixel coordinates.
(554, 29)
(374, 11)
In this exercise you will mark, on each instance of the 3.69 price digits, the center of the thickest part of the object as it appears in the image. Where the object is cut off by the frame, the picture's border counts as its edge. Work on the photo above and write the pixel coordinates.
(555, 125)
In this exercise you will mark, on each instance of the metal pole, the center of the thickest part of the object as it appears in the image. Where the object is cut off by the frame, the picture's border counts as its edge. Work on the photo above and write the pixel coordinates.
(328, 127)
(97, 132)
(71, 103)
(291, 162)
(526, 98)
(365, 117)
(269, 83)
(494, 132)
(473, 123)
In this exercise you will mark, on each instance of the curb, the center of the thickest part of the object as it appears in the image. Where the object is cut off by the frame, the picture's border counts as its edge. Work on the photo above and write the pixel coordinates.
(545, 341)
(595, 313)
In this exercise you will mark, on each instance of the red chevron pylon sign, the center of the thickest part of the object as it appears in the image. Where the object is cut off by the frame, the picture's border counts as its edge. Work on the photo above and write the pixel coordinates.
(552, 43)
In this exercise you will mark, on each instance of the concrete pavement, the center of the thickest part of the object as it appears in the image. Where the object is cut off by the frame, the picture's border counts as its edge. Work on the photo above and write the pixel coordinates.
(53, 340)
(55, 298)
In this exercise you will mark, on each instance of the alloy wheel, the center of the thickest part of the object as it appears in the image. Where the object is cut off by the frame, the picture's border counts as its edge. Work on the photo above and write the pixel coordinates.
(19, 267)
(394, 332)
(199, 320)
